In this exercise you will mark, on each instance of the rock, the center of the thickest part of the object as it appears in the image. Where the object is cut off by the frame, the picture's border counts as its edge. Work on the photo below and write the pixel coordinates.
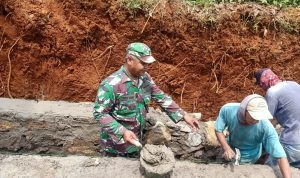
(176, 148)
(172, 125)
(184, 127)
(211, 139)
(158, 134)
(194, 139)
(198, 154)
(6, 126)
(176, 134)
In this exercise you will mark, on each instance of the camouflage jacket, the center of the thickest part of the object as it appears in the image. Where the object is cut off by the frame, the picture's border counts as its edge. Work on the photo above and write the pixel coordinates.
(122, 105)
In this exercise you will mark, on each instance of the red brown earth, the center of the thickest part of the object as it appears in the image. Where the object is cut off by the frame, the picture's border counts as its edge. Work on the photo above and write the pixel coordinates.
(60, 50)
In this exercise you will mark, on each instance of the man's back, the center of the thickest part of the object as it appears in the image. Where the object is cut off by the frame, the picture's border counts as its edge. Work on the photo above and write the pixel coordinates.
(283, 101)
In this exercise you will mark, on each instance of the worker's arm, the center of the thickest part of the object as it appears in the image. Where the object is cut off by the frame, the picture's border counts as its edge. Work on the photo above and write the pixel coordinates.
(274, 148)
(224, 121)
(272, 106)
(191, 121)
(274, 122)
(103, 106)
(167, 104)
(228, 152)
(284, 167)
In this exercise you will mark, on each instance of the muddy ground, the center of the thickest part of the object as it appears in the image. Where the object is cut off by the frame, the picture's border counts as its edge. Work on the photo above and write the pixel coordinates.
(60, 50)
(79, 166)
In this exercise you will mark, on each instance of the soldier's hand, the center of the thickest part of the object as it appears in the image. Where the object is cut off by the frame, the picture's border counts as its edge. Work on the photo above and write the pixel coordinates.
(228, 154)
(129, 136)
(193, 122)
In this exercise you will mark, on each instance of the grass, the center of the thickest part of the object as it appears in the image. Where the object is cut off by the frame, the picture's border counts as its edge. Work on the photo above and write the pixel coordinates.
(291, 27)
(145, 4)
(134, 5)
(281, 3)
(209, 15)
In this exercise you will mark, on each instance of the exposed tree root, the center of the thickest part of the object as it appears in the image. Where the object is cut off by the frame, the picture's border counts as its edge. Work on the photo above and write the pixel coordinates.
(9, 64)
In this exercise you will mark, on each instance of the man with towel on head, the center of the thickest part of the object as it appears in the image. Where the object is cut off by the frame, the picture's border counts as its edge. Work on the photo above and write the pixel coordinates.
(283, 98)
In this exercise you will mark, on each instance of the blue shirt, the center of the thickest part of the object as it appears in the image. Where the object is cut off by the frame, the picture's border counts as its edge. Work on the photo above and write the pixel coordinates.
(248, 138)
(284, 104)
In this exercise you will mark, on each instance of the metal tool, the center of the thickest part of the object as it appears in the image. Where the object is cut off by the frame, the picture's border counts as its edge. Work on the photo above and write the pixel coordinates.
(237, 156)
(208, 161)
(234, 161)
(137, 144)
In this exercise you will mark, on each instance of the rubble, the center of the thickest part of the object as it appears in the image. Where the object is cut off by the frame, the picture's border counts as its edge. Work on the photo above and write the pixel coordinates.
(184, 142)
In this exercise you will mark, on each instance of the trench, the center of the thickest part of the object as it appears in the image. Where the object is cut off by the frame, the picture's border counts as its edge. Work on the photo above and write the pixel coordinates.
(60, 139)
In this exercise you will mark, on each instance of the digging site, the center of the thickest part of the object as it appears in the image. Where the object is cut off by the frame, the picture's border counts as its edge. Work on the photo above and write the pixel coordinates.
(54, 55)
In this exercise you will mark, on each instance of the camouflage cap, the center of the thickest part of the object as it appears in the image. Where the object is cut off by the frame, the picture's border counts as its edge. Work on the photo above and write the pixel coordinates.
(141, 51)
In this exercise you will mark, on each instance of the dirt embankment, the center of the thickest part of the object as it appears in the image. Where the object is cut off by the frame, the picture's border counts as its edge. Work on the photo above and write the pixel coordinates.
(60, 50)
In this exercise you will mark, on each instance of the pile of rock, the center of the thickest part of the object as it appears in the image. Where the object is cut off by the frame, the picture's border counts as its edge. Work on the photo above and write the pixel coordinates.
(182, 140)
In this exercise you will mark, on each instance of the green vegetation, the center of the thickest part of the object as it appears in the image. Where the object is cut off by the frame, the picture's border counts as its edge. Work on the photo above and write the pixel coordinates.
(280, 3)
(210, 16)
(132, 4)
(287, 26)
(135, 5)
(146, 4)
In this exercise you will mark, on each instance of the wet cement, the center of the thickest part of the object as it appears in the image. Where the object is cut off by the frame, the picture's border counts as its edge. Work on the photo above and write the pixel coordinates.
(157, 161)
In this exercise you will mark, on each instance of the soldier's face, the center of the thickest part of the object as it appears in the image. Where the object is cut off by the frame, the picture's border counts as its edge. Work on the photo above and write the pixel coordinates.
(136, 67)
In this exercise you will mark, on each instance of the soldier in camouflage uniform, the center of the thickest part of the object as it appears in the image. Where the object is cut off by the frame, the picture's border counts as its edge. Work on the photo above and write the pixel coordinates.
(122, 102)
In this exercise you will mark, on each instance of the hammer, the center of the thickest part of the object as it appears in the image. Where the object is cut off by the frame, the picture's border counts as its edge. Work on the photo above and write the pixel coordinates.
(237, 156)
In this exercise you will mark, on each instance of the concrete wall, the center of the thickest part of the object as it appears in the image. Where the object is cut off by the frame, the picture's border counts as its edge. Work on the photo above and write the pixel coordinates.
(47, 127)
(61, 127)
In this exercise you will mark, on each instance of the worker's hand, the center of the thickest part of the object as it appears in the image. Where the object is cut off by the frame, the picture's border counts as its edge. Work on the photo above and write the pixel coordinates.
(191, 121)
(129, 136)
(228, 154)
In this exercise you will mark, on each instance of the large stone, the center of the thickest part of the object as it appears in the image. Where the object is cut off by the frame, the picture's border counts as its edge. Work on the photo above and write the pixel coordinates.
(158, 134)
(184, 127)
(194, 139)
(211, 139)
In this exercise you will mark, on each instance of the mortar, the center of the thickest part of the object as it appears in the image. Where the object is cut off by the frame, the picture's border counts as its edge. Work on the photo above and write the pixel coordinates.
(156, 161)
